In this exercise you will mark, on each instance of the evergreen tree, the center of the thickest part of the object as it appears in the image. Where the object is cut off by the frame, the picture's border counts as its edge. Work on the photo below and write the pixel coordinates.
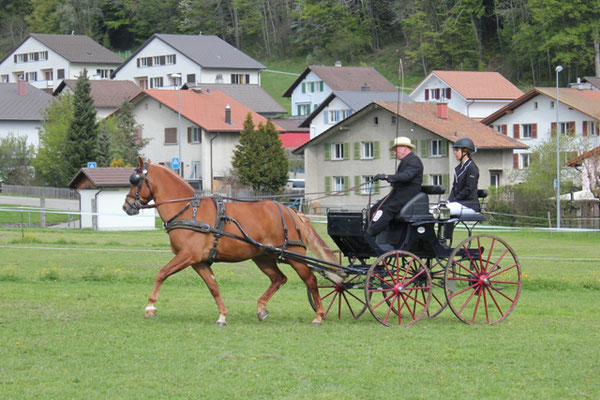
(259, 159)
(82, 136)
(103, 159)
(15, 156)
(125, 142)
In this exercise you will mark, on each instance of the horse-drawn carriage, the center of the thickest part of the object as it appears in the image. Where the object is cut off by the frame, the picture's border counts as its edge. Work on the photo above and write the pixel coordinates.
(421, 274)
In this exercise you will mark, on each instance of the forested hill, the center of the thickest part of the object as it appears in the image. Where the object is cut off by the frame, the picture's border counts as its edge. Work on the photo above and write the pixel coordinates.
(523, 39)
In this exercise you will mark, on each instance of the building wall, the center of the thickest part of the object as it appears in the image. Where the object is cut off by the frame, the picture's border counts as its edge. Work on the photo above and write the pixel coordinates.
(313, 99)
(53, 63)
(110, 212)
(320, 123)
(29, 129)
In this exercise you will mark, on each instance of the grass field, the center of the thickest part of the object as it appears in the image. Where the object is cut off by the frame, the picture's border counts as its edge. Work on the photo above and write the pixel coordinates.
(31, 215)
(71, 326)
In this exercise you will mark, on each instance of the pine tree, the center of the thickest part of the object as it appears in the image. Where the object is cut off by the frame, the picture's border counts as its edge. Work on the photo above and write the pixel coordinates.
(259, 159)
(125, 142)
(82, 136)
(103, 159)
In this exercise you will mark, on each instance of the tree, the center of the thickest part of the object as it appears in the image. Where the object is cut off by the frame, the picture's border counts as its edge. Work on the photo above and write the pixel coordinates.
(15, 157)
(103, 152)
(82, 136)
(125, 143)
(259, 159)
(51, 163)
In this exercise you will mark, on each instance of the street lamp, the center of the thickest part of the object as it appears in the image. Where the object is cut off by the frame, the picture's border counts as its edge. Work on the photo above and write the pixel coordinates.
(176, 80)
(558, 69)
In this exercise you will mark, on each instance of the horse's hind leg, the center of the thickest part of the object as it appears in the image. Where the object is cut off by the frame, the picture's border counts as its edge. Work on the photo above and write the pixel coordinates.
(310, 280)
(209, 278)
(268, 265)
(179, 262)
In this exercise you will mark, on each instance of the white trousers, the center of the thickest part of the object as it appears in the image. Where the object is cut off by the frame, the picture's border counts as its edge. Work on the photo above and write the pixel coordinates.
(457, 209)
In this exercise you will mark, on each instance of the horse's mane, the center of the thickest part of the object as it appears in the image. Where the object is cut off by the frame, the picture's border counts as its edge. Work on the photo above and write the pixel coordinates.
(168, 172)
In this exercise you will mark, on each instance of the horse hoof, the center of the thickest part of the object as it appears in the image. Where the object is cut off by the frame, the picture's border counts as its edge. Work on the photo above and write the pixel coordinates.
(219, 323)
(317, 323)
(150, 314)
(264, 313)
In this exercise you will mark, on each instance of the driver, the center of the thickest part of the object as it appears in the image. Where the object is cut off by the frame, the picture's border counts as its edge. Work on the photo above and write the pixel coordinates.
(406, 184)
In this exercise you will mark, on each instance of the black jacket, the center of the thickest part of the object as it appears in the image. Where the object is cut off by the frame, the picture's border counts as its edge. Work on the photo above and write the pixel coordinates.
(464, 188)
(406, 182)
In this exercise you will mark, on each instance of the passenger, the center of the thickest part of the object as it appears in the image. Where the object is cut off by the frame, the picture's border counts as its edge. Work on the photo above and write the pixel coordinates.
(463, 197)
(406, 184)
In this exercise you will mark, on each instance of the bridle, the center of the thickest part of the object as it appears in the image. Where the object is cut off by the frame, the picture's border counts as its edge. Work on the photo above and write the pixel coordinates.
(137, 178)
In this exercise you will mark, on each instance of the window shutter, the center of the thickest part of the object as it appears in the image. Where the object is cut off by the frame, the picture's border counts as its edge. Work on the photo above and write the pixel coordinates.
(321, 86)
(585, 128)
(553, 129)
(571, 128)
(138, 62)
(357, 187)
(247, 78)
(189, 134)
(425, 179)
(376, 187)
(337, 115)
(516, 131)
(448, 93)
(327, 148)
(346, 151)
(424, 145)
(444, 145)
(191, 78)
(149, 61)
(312, 87)
(25, 57)
(515, 161)
(37, 56)
(357, 150)
(446, 181)
(437, 94)
(303, 87)
(375, 150)
(327, 184)
(505, 129)
(15, 57)
(346, 185)
(534, 131)
(326, 116)
(392, 151)
(426, 94)
(299, 110)
(163, 60)
(174, 58)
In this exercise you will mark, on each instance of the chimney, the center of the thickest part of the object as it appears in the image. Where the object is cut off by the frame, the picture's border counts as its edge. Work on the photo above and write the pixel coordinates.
(442, 110)
(338, 63)
(365, 88)
(21, 87)
(228, 114)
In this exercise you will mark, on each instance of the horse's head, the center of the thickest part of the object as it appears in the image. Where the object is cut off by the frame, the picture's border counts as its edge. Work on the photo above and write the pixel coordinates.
(140, 190)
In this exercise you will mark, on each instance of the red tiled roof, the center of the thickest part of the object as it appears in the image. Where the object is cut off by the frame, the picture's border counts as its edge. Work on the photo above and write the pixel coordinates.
(577, 161)
(206, 109)
(294, 140)
(480, 84)
(454, 127)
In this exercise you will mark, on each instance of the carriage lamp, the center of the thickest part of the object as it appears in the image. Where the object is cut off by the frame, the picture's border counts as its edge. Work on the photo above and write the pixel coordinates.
(441, 212)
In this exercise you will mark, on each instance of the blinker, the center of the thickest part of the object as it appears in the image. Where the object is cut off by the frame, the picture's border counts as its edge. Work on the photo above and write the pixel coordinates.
(135, 179)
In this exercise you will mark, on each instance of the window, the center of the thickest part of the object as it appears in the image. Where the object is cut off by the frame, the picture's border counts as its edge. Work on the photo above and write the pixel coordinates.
(60, 74)
(367, 181)
(170, 59)
(498, 128)
(219, 78)
(495, 178)
(175, 81)
(436, 149)
(195, 174)
(142, 82)
(33, 56)
(143, 62)
(31, 76)
(156, 82)
(367, 150)
(338, 151)
(4, 78)
(338, 183)
(590, 128)
(20, 58)
(240, 78)
(334, 116)
(375, 121)
(103, 73)
(43, 55)
(525, 160)
(394, 119)
(156, 60)
(435, 179)
(535, 105)
(527, 131)
(194, 135)
(552, 104)
(170, 135)
(48, 75)
(564, 128)
(191, 79)
(303, 109)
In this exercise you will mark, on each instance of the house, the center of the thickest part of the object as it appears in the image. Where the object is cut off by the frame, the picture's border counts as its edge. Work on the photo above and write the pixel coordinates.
(102, 193)
(317, 82)
(340, 105)
(203, 138)
(588, 82)
(44, 60)
(167, 61)
(351, 152)
(251, 95)
(22, 109)
(108, 95)
(589, 165)
(532, 118)
(475, 94)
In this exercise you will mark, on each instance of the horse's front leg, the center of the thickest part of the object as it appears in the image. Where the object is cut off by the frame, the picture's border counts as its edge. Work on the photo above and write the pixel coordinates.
(181, 261)
(207, 274)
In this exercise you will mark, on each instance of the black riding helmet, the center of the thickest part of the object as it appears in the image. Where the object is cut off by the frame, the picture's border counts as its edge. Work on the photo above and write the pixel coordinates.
(464, 143)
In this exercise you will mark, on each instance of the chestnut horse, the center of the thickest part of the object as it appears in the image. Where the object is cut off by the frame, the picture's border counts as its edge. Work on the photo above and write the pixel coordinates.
(262, 221)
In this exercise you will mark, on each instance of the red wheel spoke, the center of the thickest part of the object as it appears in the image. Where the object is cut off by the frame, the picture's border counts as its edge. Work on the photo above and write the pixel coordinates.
(467, 302)
(412, 279)
(495, 302)
(479, 251)
(413, 298)
(328, 294)
(485, 304)
(476, 306)
(407, 306)
(462, 291)
(361, 301)
(330, 304)
(388, 270)
(487, 262)
(463, 279)
(418, 288)
(473, 263)
(469, 271)
(387, 314)
(348, 304)
(500, 259)
(506, 282)
(502, 294)
(502, 271)
(385, 299)
(383, 280)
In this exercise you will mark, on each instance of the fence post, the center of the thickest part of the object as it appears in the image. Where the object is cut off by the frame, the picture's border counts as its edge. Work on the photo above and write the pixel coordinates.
(43, 212)
(549, 221)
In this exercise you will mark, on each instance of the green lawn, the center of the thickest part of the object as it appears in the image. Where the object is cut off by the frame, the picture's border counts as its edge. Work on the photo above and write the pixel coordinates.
(31, 215)
(71, 326)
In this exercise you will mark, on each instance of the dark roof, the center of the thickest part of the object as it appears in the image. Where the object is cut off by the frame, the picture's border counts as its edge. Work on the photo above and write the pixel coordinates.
(208, 51)
(77, 48)
(106, 93)
(592, 80)
(424, 114)
(252, 96)
(290, 125)
(346, 79)
(28, 107)
(91, 178)
(356, 101)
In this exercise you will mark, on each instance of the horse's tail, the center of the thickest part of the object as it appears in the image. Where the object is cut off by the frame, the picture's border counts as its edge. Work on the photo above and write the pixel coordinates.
(318, 246)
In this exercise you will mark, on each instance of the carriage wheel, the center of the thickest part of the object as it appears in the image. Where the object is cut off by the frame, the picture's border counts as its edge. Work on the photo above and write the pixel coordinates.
(344, 300)
(398, 288)
(482, 280)
(438, 298)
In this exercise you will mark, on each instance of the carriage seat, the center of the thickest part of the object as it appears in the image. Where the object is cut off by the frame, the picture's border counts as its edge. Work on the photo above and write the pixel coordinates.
(417, 208)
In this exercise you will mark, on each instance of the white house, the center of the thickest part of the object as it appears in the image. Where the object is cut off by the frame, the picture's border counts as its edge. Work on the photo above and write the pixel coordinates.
(44, 60)
(21, 110)
(165, 61)
(203, 138)
(102, 193)
(317, 82)
(475, 94)
(340, 105)
(532, 118)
